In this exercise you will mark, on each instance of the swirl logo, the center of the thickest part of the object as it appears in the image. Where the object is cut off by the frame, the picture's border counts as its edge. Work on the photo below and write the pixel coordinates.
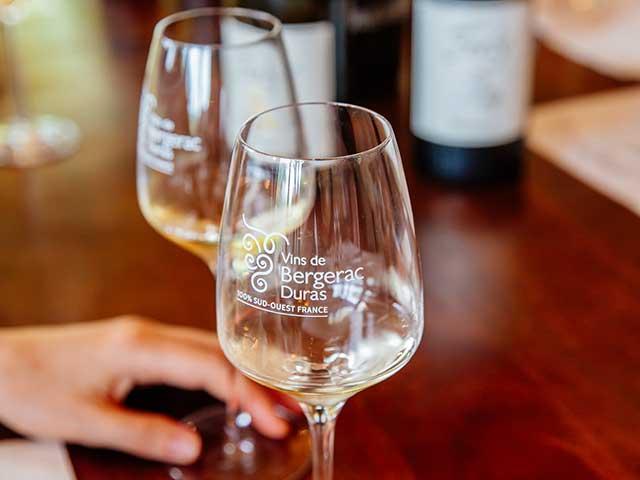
(260, 247)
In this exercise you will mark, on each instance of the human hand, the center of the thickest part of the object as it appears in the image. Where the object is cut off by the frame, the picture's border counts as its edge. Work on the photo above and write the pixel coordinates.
(67, 383)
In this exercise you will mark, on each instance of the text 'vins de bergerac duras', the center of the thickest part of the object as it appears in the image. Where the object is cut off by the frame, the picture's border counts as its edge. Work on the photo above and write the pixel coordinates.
(290, 280)
(300, 286)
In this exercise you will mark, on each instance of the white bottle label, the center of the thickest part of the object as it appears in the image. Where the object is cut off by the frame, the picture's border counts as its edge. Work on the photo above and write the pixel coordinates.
(311, 51)
(471, 71)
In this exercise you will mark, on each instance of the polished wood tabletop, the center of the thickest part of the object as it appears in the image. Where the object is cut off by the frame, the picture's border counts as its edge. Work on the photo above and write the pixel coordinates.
(530, 363)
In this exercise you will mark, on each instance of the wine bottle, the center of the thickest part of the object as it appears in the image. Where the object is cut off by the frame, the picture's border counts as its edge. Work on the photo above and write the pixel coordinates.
(471, 78)
(369, 33)
(340, 49)
(309, 36)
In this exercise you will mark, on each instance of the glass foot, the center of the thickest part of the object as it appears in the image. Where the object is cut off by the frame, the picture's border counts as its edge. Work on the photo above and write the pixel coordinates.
(251, 456)
(36, 141)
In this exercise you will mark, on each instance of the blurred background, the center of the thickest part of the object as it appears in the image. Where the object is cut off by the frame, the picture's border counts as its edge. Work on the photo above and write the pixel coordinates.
(530, 262)
(67, 226)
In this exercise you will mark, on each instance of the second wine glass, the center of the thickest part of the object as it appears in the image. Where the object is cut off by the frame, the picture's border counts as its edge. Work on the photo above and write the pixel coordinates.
(209, 70)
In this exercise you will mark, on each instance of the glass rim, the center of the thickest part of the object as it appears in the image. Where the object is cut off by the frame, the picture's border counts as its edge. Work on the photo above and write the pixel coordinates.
(231, 12)
(380, 146)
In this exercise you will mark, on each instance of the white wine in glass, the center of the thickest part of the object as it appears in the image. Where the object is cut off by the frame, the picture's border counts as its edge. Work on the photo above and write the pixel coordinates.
(333, 303)
(194, 232)
(322, 369)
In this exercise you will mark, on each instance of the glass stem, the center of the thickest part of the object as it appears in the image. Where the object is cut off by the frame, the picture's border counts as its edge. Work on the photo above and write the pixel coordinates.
(239, 442)
(231, 413)
(322, 424)
(12, 74)
(239, 439)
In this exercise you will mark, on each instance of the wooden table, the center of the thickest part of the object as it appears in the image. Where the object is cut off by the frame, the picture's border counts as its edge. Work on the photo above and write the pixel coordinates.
(529, 368)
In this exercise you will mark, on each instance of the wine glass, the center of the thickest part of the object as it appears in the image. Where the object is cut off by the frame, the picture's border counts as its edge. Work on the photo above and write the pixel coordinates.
(208, 71)
(28, 140)
(319, 291)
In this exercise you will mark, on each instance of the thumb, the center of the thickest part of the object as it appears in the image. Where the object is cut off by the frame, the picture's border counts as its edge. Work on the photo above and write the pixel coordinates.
(147, 435)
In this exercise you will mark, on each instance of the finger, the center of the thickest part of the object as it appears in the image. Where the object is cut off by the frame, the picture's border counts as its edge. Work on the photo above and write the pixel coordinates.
(197, 337)
(172, 363)
(149, 354)
(208, 341)
(287, 402)
(142, 351)
(155, 359)
(136, 324)
(263, 409)
(169, 362)
(142, 434)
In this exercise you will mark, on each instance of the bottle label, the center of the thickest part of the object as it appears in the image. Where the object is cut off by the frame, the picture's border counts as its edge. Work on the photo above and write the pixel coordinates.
(311, 51)
(471, 71)
(252, 78)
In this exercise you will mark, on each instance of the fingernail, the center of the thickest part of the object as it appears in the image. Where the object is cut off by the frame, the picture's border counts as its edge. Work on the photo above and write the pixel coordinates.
(184, 448)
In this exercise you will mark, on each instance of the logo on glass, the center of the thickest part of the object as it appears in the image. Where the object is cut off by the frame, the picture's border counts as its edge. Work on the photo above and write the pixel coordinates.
(260, 247)
(158, 141)
(298, 285)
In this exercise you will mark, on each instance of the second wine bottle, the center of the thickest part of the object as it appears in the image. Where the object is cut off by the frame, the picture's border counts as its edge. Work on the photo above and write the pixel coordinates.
(470, 88)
